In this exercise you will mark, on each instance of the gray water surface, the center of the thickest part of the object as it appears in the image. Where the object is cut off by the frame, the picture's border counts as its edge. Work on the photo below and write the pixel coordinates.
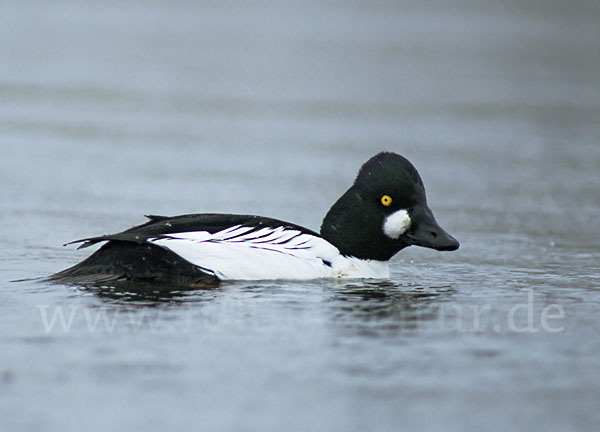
(112, 110)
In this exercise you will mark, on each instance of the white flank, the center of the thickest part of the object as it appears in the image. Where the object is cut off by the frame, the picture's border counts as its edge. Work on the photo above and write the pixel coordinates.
(350, 267)
(267, 253)
(396, 224)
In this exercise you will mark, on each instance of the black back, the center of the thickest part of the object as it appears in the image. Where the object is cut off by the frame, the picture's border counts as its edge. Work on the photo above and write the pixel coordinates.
(210, 222)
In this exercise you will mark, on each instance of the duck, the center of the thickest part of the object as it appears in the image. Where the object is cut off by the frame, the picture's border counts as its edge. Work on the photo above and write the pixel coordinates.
(384, 211)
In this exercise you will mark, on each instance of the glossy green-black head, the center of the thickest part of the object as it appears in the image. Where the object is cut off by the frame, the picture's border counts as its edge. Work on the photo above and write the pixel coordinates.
(384, 211)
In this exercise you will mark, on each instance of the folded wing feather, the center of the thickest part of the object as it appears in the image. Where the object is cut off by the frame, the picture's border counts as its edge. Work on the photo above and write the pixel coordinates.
(242, 252)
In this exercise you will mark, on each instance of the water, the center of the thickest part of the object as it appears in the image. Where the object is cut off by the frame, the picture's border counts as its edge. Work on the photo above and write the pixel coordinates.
(111, 110)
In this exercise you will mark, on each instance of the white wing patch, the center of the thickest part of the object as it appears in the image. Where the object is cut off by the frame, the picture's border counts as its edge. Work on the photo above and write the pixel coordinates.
(241, 252)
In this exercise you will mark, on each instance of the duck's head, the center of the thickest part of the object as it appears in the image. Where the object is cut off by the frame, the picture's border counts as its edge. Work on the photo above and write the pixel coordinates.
(384, 211)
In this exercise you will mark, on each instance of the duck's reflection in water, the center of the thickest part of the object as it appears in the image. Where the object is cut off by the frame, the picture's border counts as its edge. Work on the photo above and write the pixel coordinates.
(363, 308)
(379, 307)
(151, 294)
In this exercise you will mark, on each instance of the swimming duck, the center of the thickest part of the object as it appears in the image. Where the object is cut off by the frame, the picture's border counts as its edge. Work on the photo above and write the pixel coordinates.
(384, 211)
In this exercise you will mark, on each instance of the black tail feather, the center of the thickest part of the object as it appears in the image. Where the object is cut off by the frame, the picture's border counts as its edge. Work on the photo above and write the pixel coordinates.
(128, 261)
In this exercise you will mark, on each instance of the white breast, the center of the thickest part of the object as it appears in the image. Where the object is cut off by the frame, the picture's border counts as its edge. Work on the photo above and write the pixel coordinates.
(248, 253)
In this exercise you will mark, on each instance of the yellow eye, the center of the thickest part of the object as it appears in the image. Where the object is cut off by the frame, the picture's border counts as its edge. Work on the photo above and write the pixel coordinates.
(386, 200)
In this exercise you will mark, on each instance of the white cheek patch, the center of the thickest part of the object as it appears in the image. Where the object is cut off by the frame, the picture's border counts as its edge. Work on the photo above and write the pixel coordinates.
(396, 224)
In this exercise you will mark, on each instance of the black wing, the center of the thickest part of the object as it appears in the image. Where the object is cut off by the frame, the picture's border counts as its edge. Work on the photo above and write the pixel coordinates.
(210, 222)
